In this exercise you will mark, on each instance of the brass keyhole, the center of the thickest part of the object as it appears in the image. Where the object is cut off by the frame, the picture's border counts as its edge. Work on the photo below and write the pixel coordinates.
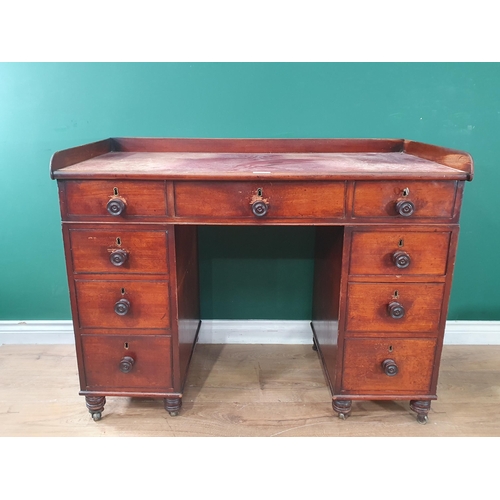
(390, 348)
(259, 192)
(125, 346)
(119, 242)
(115, 191)
(396, 294)
(406, 192)
(123, 291)
(401, 243)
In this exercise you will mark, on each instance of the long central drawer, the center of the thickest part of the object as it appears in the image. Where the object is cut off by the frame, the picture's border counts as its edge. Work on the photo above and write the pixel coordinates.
(281, 199)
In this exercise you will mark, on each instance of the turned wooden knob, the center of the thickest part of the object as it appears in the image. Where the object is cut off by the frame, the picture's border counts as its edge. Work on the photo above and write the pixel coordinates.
(390, 367)
(396, 310)
(116, 206)
(259, 208)
(126, 364)
(122, 307)
(401, 260)
(405, 208)
(118, 257)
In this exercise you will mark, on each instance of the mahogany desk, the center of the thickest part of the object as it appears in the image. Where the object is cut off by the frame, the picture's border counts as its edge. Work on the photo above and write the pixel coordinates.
(386, 214)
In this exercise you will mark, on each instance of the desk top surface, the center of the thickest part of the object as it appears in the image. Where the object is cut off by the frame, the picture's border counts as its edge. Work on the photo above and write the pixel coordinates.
(306, 159)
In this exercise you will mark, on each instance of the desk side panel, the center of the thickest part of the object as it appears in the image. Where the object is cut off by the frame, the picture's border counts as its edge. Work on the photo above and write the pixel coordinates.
(459, 160)
(75, 155)
(188, 300)
(326, 299)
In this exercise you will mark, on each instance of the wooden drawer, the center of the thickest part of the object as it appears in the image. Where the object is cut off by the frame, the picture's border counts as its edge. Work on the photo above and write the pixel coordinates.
(399, 252)
(140, 198)
(364, 371)
(428, 199)
(127, 363)
(369, 307)
(148, 304)
(283, 199)
(119, 251)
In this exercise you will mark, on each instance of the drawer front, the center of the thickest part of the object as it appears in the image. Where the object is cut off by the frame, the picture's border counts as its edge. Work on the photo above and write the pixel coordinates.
(402, 253)
(389, 307)
(116, 200)
(414, 199)
(127, 362)
(281, 199)
(123, 304)
(388, 365)
(119, 251)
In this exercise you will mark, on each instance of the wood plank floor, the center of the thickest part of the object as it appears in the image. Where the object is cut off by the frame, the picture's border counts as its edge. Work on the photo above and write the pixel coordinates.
(243, 390)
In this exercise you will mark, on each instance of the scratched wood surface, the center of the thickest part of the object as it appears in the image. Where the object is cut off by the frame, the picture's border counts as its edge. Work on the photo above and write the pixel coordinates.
(243, 390)
(250, 165)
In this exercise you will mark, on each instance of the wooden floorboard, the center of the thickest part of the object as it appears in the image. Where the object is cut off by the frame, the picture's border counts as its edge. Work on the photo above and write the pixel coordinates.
(243, 390)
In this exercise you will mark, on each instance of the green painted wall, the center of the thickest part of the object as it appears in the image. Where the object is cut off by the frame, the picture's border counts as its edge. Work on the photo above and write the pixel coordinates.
(261, 272)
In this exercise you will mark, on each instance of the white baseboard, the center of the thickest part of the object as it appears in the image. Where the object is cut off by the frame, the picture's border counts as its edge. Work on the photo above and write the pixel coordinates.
(299, 332)
(472, 333)
(37, 332)
(220, 331)
(240, 332)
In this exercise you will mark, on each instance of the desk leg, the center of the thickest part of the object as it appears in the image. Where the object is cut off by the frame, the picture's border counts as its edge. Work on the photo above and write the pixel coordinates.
(95, 405)
(314, 345)
(173, 405)
(421, 408)
(342, 407)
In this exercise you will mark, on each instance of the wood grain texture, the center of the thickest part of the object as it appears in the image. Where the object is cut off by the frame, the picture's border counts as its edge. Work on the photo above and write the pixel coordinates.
(92, 247)
(372, 252)
(363, 372)
(430, 199)
(256, 145)
(149, 304)
(188, 299)
(367, 307)
(371, 197)
(326, 297)
(445, 156)
(67, 157)
(243, 390)
(245, 166)
(151, 369)
(94, 158)
(284, 199)
(142, 198)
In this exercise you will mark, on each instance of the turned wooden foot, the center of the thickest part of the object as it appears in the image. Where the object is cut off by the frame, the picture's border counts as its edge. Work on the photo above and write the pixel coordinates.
(342, 407)
(421, 408)
(95, 405)
(173, 405)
